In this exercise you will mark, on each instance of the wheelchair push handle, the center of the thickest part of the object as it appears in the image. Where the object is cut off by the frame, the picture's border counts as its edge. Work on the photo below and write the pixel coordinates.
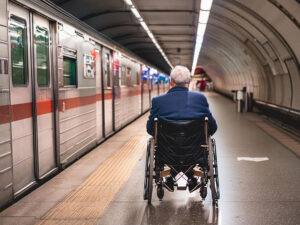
(206, 129)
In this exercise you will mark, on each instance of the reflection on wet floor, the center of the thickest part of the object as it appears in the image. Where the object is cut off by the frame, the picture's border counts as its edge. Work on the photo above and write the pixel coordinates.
(188, 212)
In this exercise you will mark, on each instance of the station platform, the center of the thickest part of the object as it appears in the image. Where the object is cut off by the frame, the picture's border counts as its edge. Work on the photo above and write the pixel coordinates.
(258, 171)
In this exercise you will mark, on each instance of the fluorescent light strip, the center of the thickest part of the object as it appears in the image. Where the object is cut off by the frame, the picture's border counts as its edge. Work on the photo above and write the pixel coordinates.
(205, 7)
(201, 29)
(128, 2)
(144, 25)
(206, 4)
(136, 13)
(203, 18)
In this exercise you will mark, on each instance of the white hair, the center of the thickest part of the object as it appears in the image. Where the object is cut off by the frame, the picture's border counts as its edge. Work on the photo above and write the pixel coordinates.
(180, 75)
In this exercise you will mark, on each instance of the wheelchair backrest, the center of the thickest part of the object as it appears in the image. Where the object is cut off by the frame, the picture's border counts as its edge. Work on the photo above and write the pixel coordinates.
(181, 140)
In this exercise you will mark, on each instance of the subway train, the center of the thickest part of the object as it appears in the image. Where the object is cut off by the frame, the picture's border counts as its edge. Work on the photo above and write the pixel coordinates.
(64, 88)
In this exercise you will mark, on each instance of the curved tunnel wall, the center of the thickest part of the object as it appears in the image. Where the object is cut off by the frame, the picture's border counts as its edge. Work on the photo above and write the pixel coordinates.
(255, 44)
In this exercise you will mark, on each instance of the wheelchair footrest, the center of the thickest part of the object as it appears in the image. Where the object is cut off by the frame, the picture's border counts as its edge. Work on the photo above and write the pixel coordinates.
(165, 173)
(198, 173)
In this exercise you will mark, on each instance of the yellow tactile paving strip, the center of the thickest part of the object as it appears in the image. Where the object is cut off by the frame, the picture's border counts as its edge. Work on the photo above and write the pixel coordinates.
(86, 204)
(283, 138)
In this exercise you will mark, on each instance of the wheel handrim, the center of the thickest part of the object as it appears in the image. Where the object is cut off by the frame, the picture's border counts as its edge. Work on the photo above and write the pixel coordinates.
(212, 171)
(216, 172)
(150, 181)
(146, 181)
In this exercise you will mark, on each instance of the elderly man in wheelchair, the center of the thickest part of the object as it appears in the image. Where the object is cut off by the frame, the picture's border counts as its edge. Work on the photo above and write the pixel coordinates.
(181, 152)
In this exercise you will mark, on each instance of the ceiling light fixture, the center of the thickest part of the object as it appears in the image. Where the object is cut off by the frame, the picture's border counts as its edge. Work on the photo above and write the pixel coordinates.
(203, 18)
(128, 2)
(205, 7)
(206, 4)
(136, 13)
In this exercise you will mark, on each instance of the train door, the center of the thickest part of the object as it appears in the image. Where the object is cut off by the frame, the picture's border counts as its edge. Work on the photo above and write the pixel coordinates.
(21, 99)
(141, 87)
(32, 122)
(99, 100)
(6, 178)
(43, 96)
(108, 91)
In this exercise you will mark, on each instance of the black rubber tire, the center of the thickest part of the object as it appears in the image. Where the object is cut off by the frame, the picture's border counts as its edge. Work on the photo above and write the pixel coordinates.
(160, 192)
(151, 165)
(146, 181)
(213, 177)
(203, 192)
(216, 172)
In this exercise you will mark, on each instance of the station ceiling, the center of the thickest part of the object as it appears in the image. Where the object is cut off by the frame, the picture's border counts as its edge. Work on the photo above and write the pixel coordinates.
(247, 43)
(173, 23)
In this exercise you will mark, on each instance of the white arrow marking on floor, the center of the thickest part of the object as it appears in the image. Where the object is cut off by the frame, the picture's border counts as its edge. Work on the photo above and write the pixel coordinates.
(253, 159)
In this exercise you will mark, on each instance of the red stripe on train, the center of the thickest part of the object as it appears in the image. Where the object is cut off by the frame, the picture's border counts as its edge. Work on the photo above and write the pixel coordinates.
(107, 96)
(24, 110)
(4, 114)
(44, 107)
(71, 103)
(21, 111)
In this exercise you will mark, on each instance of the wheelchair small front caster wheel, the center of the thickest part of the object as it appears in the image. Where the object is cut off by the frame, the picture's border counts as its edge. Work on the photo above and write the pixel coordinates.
(160, 192)
(216, 203)
(203, 192)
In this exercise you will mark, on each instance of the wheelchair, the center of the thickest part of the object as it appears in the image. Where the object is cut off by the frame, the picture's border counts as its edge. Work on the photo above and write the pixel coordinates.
(181, 152)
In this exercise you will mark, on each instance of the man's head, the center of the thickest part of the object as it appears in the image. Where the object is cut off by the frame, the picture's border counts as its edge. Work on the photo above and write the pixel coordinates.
(180, 76)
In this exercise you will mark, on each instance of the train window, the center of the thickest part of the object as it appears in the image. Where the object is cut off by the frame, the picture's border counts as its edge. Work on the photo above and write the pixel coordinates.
(137, 78)
(116, 74)
(128, 76)
(107, 70)
(18, 51)
(42, 55)
(123, 75)
(69, 71)
(134, 77)
(88, 66)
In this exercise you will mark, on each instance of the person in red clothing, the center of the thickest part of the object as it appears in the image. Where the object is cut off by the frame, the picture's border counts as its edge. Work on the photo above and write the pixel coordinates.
(202, 85)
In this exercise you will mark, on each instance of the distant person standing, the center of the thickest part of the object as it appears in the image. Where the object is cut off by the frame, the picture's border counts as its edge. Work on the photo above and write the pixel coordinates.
(202, 85)
(198, 85)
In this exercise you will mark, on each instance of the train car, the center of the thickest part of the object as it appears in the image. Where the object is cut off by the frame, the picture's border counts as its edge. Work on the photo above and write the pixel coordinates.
(64, 88)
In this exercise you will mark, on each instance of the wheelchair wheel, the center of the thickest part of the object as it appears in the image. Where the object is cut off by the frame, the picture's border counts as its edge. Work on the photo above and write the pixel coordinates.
(148, 183)
(216, 168)
(160, 192)
(213, 171)
(203, 192)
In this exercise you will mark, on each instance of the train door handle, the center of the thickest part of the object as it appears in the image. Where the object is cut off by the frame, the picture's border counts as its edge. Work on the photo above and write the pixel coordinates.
(4, 90)
(63, 106)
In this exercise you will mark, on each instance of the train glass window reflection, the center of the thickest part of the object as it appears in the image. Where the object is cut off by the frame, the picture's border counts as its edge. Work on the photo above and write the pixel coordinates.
(18, 51)
(69, 71)
(123, 75)
(42, 55)
(107, 70)
(134, 77)
(128, 76)
(116, 73)
(137, 78)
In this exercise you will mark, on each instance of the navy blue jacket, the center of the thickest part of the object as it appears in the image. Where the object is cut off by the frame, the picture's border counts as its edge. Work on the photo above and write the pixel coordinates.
(180, 104)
